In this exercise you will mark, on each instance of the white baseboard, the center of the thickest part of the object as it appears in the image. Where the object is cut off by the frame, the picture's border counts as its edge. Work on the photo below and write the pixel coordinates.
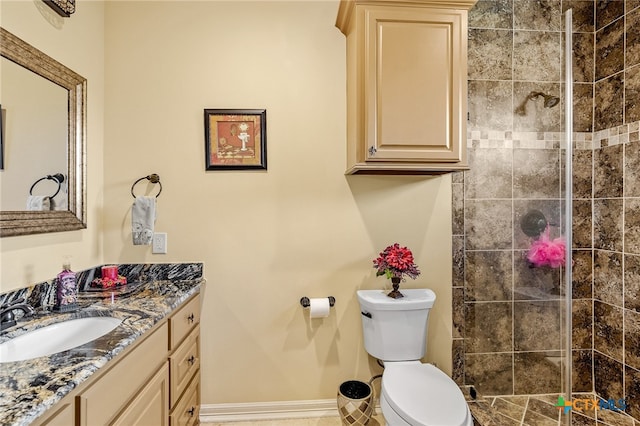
(254, 411)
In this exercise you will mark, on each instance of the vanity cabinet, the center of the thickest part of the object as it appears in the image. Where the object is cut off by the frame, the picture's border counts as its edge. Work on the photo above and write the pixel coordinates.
(406, 85)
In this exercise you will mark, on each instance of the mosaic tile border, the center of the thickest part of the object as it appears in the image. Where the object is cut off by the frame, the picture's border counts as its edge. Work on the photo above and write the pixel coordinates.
(491, 139)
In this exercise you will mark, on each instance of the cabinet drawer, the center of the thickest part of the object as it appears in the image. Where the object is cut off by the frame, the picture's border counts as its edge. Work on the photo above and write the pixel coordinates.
(183, 321)
(183, 363)
(100, 402)
(187, 412)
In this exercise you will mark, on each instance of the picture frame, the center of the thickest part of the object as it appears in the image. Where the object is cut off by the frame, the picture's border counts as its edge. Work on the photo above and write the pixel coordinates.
(63, 8)
(235, 139)
(1, 138)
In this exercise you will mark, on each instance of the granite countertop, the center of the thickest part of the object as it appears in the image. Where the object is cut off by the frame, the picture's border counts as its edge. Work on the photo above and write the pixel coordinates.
(29, 388)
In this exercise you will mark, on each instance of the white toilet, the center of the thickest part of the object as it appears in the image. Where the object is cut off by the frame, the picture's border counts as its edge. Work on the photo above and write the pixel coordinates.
(413, 393)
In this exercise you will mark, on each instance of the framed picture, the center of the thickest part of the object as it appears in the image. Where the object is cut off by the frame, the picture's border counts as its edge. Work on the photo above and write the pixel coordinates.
(63, 8)
(235, 139)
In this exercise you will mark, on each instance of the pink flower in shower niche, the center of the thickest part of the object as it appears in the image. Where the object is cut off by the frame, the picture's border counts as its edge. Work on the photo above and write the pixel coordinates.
(547, 252)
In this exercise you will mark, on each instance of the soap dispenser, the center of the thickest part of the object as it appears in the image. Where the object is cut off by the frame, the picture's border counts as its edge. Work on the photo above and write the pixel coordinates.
(66, 290)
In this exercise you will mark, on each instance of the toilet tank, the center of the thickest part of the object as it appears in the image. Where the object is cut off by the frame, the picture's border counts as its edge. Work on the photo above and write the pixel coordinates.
(395, 329)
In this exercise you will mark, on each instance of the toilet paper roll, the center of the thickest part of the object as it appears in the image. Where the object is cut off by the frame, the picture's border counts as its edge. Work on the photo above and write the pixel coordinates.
(319, 308)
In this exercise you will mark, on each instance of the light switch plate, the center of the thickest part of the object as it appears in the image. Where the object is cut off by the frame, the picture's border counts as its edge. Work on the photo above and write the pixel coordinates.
(159, 243)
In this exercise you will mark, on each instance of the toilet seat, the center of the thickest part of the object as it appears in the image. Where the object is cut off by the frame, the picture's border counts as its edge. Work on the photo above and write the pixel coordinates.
(421, 394)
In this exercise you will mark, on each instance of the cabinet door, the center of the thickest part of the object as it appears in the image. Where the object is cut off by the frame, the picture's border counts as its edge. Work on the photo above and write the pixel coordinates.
(150, 407)
(64, 416)
(415, 84)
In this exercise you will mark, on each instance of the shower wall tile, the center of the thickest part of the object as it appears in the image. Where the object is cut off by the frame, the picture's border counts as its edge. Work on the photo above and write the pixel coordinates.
(489, 276)
(582, 371)
(608, 172)
(632, 27)
(489, 54)
(608, 11)
(536, 326)
(537, 174)
(532, 115)
(607, 277)
(488, 224)
(457, 208)
(607, 329)
(607, 224)
(632, 391)
(582, 222)
(491, 14)
(582, 173)
(540, 15)
(632, 282)
(532, 283)
(632, 226)
(631, 4)
(607, 376)
(491, 374)
(582, 274)
(608, 102)
(490, 105)
(632, 169)
(458, 309)
(535, 373)
(457, 243)
(632, 93)
(632, 338)
(583, 107)
(490, 174)
(610, 50)
(583, 59)
(488, 327)
(458, 361)
(582, 324)
(583, 14)
(537, 56)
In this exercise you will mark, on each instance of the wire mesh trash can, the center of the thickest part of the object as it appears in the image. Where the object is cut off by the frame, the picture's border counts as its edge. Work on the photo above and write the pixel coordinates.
(355, 402)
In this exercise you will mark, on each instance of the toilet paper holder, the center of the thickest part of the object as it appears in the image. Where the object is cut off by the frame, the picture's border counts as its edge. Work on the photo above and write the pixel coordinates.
(305, 302)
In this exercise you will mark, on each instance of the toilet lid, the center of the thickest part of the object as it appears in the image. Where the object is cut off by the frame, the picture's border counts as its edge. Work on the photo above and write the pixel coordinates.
(424, 395)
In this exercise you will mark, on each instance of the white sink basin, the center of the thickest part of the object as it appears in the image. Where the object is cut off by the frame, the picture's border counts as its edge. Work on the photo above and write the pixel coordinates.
(56, 338)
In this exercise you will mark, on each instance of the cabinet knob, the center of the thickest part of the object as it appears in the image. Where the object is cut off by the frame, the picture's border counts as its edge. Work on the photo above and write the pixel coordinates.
(191, 360)
(191, 411)
(191, 317)
(372, 151)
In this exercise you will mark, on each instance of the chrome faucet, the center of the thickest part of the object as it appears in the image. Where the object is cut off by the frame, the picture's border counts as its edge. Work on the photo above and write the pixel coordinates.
(7, 317)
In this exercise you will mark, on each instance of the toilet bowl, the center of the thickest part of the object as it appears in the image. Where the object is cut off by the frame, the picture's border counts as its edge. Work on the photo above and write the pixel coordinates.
(412, 393)
(417, 394)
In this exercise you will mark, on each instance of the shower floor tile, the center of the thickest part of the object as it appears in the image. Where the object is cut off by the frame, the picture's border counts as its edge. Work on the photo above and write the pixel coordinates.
(540, 410)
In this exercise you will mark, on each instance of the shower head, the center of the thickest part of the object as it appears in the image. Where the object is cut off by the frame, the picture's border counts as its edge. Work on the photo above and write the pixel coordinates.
(549, 102)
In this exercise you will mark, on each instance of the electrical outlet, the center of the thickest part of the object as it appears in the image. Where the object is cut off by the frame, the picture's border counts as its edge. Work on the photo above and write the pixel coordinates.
(159, 243)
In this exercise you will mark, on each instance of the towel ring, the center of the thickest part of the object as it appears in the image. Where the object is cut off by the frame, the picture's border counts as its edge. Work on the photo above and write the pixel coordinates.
(58, 177)
(153, 178)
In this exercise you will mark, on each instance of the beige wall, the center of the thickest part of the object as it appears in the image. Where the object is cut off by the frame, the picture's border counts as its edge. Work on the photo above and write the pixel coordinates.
(78, 43)
(266, 238)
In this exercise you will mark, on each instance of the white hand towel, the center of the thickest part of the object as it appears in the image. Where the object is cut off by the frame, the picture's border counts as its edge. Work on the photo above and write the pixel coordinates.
(143, 216)
(38, 202)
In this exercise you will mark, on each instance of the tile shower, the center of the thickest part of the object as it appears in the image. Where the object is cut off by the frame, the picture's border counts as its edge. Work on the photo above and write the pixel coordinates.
(508, 317)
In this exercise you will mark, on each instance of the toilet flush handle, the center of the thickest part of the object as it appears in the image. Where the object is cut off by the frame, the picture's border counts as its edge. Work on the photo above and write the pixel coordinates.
(366, 314)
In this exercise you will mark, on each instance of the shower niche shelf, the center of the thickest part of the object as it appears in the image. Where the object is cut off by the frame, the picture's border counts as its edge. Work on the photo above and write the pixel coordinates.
(406, 85)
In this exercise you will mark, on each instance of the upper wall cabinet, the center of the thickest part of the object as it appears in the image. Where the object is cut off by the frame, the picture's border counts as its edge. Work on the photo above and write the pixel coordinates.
(406, 85)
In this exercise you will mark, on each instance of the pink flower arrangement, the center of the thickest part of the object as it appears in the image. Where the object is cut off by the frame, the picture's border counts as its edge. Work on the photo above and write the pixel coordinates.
(396, 261)
(547, 252)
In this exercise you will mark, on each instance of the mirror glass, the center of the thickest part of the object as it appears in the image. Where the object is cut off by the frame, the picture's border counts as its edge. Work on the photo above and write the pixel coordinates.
(43, 142)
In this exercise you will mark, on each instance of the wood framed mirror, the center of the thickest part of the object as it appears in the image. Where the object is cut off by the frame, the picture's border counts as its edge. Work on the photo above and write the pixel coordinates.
(72, 216)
